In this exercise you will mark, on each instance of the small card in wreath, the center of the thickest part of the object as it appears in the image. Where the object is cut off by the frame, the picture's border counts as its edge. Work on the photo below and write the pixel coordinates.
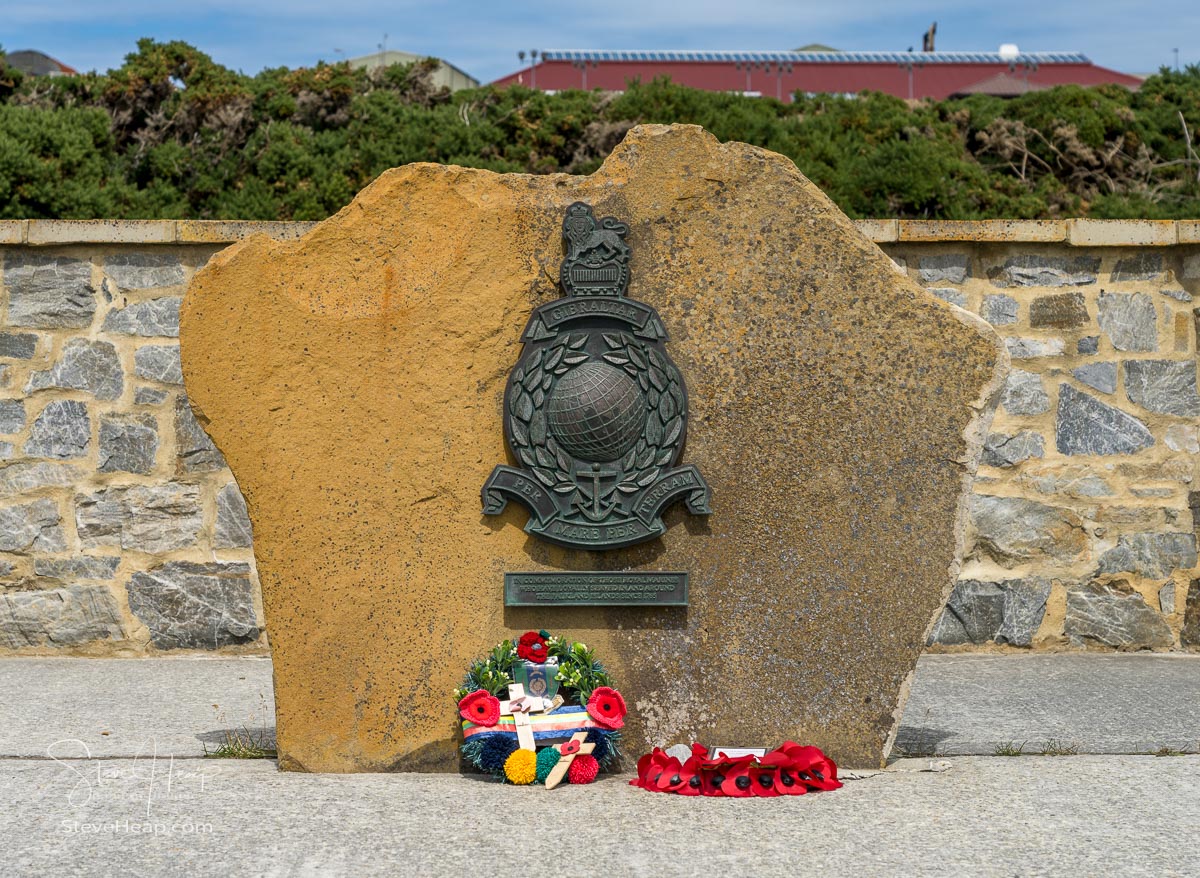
(542, 709)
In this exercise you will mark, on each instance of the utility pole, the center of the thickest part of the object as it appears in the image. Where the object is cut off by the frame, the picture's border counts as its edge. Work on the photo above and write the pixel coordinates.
(780, 68)
(908, 65)
(583, 67)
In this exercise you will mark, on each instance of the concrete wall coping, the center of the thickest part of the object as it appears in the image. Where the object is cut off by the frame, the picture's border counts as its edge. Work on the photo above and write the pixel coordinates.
(1073, 232)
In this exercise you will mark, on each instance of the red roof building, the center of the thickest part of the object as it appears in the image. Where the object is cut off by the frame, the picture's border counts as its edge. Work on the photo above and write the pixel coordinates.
(777, 74)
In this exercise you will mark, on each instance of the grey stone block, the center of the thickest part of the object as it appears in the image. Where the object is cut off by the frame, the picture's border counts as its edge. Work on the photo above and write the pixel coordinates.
(149, 396)
(1006, 612)
(947, 294)
(999, 309)
(1141, 266)
(1031, 270)
(1002, 449)
(1024, 394)
(49, 292)
(1027, 348)
(195, 606)
(59, 617)
(157, 317)
(1013, 530)
(18, 345)
(143, 271)
(1164, 386)
(1166, 599)
(87, 365)
(1088, 426)
(128, 443)
(1101, 376)
(158, 363)
(1061, 311)
(195, 450)
(78, 567)
(1153, 555)
(1115, 615)
(952, 268)
(18, 478)
(1177, 295)
(233, 522)
(35, 526)
(1129, 320)
(148, 518)
(1189, 635)
(1072, 485)
(1088, 345)
(1182, 437)
(12, 415)
(63, 430)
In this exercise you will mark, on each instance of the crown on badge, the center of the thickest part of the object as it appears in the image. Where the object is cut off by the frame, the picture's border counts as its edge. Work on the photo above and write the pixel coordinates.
(597, 257)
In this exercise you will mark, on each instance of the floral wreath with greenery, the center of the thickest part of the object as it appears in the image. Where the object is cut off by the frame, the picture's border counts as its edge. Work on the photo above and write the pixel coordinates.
(587, 710)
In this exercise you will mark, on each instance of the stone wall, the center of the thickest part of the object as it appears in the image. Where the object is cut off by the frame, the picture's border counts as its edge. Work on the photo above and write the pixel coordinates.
(121, 529)
(123, 532)
(1081, 524)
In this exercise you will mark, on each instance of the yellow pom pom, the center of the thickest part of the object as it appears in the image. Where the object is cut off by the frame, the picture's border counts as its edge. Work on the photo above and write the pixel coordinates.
(521, 767)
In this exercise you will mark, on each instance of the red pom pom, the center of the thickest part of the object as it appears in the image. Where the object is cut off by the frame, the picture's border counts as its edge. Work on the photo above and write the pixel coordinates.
(584, 769)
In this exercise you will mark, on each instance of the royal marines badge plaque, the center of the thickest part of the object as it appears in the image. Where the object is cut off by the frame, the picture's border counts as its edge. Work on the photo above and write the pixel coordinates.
(595, 412)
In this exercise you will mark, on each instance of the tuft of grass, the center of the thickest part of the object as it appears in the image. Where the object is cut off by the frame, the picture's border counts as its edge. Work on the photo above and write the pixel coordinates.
(1054, 747)
(915, 750)
(243, 744)
(1168, 751)
(1010, 748)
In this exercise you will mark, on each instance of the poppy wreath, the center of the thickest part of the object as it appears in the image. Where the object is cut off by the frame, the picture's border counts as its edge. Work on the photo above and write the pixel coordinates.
(790, 770)
(589, 704)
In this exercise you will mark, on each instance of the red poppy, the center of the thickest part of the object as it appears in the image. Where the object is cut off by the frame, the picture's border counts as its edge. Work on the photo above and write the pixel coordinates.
(607, 707)
(816, 770)
(671, 777)
(481, 708)
(643, 769)
(532, 647)
(764, 781)
(689, 776)
(786, 782)
(737, 781)
(650, 769)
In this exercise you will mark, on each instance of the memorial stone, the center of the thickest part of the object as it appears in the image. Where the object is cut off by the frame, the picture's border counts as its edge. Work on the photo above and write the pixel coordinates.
(355, 380)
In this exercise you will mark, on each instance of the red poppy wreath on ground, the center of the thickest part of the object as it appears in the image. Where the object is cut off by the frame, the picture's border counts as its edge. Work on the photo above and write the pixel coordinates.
(789, 770)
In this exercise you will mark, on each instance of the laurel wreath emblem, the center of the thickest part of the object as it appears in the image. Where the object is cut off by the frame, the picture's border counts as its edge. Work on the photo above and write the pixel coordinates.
(532, 381)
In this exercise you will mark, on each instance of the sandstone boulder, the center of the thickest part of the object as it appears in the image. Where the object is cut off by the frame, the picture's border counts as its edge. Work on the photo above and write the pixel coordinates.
(354, 380)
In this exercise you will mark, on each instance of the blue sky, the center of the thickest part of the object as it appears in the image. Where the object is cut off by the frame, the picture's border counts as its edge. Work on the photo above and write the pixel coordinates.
(483, 37)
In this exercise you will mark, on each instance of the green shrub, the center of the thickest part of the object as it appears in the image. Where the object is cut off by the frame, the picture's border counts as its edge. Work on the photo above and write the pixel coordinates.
(171, 134)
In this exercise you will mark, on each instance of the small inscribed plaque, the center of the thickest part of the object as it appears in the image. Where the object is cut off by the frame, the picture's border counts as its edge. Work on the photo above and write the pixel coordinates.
(590, 589)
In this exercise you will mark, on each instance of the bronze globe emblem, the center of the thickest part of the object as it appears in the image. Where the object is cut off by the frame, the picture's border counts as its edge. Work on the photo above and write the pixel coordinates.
(596, 412)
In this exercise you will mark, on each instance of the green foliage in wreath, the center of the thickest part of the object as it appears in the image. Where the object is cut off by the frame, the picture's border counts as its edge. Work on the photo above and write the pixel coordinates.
(579, 671)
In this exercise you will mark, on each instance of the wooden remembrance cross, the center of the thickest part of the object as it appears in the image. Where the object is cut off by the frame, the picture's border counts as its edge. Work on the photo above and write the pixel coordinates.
(568, 756)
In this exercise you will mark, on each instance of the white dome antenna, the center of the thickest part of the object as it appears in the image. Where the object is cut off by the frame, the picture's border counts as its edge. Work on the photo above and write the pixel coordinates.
(1009, 51)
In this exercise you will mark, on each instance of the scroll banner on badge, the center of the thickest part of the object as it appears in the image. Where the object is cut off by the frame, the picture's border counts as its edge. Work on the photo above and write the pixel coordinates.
(681, 483)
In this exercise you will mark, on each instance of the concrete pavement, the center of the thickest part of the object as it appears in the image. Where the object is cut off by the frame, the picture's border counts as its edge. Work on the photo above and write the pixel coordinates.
(74, 800)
